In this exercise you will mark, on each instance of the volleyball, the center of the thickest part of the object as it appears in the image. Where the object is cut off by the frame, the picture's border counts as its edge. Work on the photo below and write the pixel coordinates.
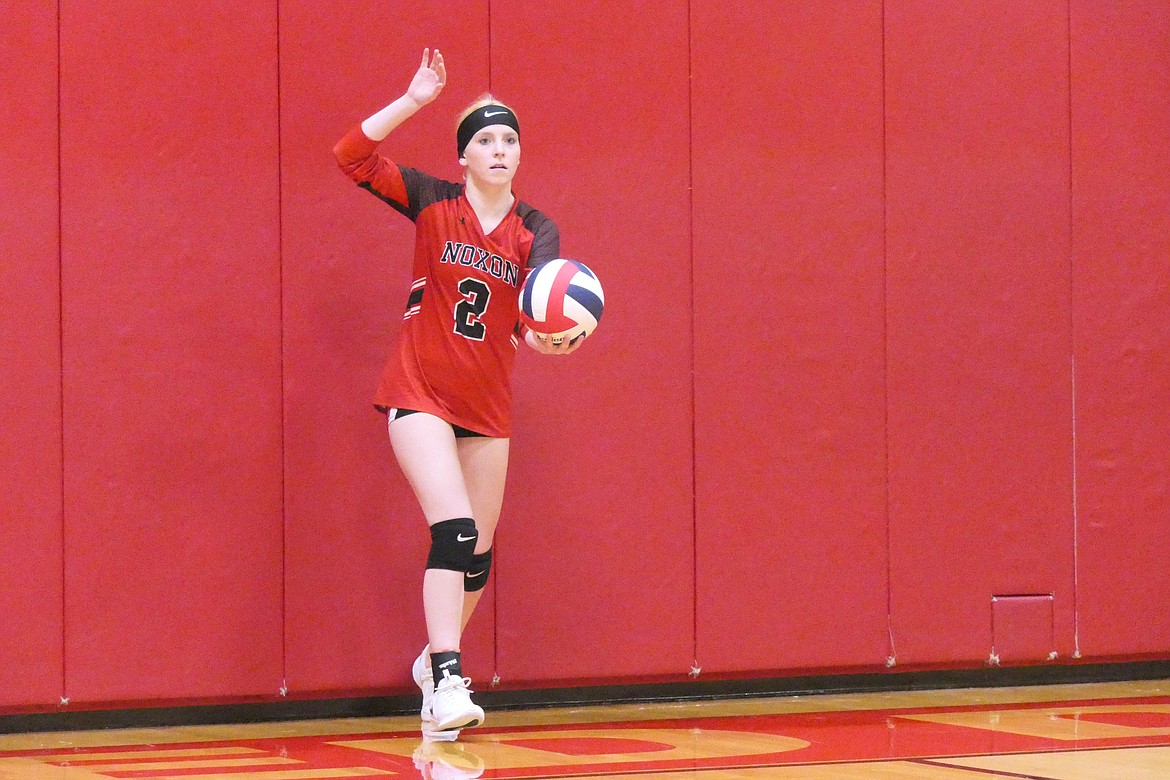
(561, 300)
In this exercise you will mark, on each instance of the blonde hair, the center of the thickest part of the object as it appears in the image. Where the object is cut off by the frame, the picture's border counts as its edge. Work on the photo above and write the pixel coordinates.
(486, 99)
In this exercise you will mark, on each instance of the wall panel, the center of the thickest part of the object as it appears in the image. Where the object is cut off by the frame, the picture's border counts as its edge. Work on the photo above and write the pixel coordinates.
(1121, 261)
(857, 264)
(357, 541)
(979, 336)
(171, 322)
(790, 478)
(30, 370)
(596, 542)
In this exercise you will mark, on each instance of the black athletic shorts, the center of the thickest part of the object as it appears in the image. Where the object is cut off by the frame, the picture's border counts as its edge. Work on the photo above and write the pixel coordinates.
(460, 431)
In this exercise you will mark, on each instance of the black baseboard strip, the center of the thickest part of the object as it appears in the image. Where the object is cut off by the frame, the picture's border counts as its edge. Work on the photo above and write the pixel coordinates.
(314, 709)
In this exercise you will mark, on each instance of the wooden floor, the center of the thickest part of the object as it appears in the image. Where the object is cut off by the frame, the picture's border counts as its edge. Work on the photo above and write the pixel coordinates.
(1101, 731)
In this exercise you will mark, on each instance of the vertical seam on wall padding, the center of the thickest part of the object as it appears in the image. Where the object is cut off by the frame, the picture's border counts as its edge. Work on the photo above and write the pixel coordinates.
(892, 656)
(691, 286)
(1072, 338)
(492, 583)
(283, 405)
(61, 355)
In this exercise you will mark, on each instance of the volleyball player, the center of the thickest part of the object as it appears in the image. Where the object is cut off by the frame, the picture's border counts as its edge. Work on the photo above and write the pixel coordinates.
(446, 388)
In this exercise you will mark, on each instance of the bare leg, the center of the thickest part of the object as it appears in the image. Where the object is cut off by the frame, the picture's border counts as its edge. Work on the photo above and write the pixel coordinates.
(425, 447)
(484, 464)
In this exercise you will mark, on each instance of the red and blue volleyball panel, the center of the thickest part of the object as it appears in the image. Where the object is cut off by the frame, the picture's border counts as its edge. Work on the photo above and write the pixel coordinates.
(560, 296)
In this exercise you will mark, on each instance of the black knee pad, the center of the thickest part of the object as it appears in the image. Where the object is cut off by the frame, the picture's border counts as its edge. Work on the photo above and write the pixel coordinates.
(477, 576)
(452, 544)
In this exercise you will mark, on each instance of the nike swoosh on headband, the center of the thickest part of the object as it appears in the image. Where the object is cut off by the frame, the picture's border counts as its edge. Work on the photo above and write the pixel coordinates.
(481, 118)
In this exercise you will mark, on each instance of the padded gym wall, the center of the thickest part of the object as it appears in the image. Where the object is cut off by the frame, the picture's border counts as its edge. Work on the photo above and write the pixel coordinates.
(789, 401)
(356, 540)
(1121, 293)
(171, 333)
(30, 369)
(978, 312)
(852, 261)
(596, 541)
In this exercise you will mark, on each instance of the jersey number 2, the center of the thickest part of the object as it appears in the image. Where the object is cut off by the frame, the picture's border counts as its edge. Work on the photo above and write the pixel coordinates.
(468, 311)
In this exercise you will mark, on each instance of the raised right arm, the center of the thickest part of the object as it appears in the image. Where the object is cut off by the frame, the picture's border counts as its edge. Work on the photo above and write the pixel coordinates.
(356, 152)
(426, 85)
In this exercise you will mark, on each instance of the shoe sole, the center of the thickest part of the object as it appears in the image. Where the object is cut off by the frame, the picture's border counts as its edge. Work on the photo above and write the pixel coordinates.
(435, 735)
(468, 721)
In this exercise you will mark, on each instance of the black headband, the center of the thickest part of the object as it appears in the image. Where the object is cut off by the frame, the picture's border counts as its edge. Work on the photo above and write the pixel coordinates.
(482, 117)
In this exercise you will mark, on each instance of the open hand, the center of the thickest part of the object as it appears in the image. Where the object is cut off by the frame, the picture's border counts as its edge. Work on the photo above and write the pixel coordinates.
(429, 80)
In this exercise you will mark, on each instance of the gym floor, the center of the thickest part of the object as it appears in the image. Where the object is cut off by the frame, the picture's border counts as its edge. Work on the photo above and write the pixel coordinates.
(1094, 731)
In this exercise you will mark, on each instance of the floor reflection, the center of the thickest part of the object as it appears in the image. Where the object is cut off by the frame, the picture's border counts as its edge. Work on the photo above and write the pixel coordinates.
(447, 761)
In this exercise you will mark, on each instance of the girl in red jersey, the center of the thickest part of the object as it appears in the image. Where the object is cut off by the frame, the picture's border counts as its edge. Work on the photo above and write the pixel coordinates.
(446, 389)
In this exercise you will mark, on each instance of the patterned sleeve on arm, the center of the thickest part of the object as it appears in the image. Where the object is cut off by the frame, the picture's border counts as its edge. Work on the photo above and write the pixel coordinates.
(359, 160)
(546, 239)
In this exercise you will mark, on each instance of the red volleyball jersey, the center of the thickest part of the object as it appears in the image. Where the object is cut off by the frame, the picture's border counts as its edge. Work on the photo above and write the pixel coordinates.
(461, 328)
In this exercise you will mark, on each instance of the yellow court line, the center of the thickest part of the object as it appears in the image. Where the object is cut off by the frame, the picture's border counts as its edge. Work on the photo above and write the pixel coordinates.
(75, 758)
(1104, 764)
(195, 764)
(874, 770)
(295, 774)
(1070, 724)
(214, 763)
(30, 769)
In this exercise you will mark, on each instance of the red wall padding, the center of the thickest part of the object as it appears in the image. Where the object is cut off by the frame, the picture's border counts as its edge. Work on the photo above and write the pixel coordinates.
(1121, 247)
(356, 540)
(789, 409)
(595, 545)
(171, 333)
(978, 312)
(859, 266)
(30, 363)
